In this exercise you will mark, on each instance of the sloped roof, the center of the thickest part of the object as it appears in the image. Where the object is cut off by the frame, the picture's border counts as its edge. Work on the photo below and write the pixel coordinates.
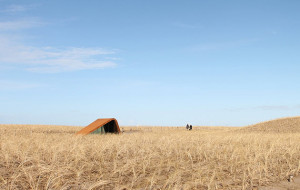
(99, 123)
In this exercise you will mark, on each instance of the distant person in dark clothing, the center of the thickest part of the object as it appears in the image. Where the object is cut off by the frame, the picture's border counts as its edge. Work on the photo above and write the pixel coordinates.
(187, 127)
(191, 127)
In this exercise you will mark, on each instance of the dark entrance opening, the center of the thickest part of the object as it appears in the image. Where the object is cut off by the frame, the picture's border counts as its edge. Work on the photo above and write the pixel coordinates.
(110, 127)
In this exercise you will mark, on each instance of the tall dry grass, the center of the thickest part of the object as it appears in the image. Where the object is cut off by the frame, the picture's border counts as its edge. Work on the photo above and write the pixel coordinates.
(156, 158)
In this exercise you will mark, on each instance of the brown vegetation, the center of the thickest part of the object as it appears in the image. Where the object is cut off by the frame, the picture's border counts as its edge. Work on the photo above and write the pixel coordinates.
(50, 157)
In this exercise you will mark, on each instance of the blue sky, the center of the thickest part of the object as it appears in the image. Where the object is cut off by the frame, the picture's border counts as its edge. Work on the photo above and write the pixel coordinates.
(164, 63)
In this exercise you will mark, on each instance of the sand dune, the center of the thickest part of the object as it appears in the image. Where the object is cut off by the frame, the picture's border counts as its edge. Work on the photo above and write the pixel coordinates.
(282, 125)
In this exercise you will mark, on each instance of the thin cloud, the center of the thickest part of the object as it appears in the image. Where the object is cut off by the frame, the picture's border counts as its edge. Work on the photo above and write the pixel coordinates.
(221, 45)
(65, 65)
(185, 25)
(267, 108)
(278, 107)
(14, 53)
(19, 24)
(16, 85)
(15, 8)
(52, 60)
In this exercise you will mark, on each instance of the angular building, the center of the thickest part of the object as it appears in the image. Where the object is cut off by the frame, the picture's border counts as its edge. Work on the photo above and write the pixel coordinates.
(101, 126)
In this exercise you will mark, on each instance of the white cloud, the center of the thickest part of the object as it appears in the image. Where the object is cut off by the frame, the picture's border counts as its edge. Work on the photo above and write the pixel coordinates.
(16, 85)
(185, 25)
(49, 59)
(267, 108)
(15, 8)
(19, 24)
(278, 107)
(14, 53)
(62, 65)
(221, 45)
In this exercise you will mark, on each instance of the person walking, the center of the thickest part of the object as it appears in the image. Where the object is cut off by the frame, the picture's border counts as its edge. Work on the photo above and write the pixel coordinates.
(191, 127)
(187, 127)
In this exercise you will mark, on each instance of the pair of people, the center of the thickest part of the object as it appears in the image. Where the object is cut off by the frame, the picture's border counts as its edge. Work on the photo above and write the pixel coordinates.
(189, 127)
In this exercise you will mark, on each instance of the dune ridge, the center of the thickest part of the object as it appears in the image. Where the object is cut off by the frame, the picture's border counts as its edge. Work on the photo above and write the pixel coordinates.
(282, 125)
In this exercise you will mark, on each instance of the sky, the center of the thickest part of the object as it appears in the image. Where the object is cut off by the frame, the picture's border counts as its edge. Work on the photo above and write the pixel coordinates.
(158, 63)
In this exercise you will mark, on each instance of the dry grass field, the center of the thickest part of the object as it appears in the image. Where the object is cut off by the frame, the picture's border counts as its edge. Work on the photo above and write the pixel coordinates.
(52, 157)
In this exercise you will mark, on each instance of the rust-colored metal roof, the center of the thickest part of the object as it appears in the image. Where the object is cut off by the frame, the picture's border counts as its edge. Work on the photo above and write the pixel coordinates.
(99, 123)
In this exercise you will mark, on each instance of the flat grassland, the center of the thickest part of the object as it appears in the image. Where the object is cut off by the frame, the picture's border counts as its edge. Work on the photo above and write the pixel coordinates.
(52, 157)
